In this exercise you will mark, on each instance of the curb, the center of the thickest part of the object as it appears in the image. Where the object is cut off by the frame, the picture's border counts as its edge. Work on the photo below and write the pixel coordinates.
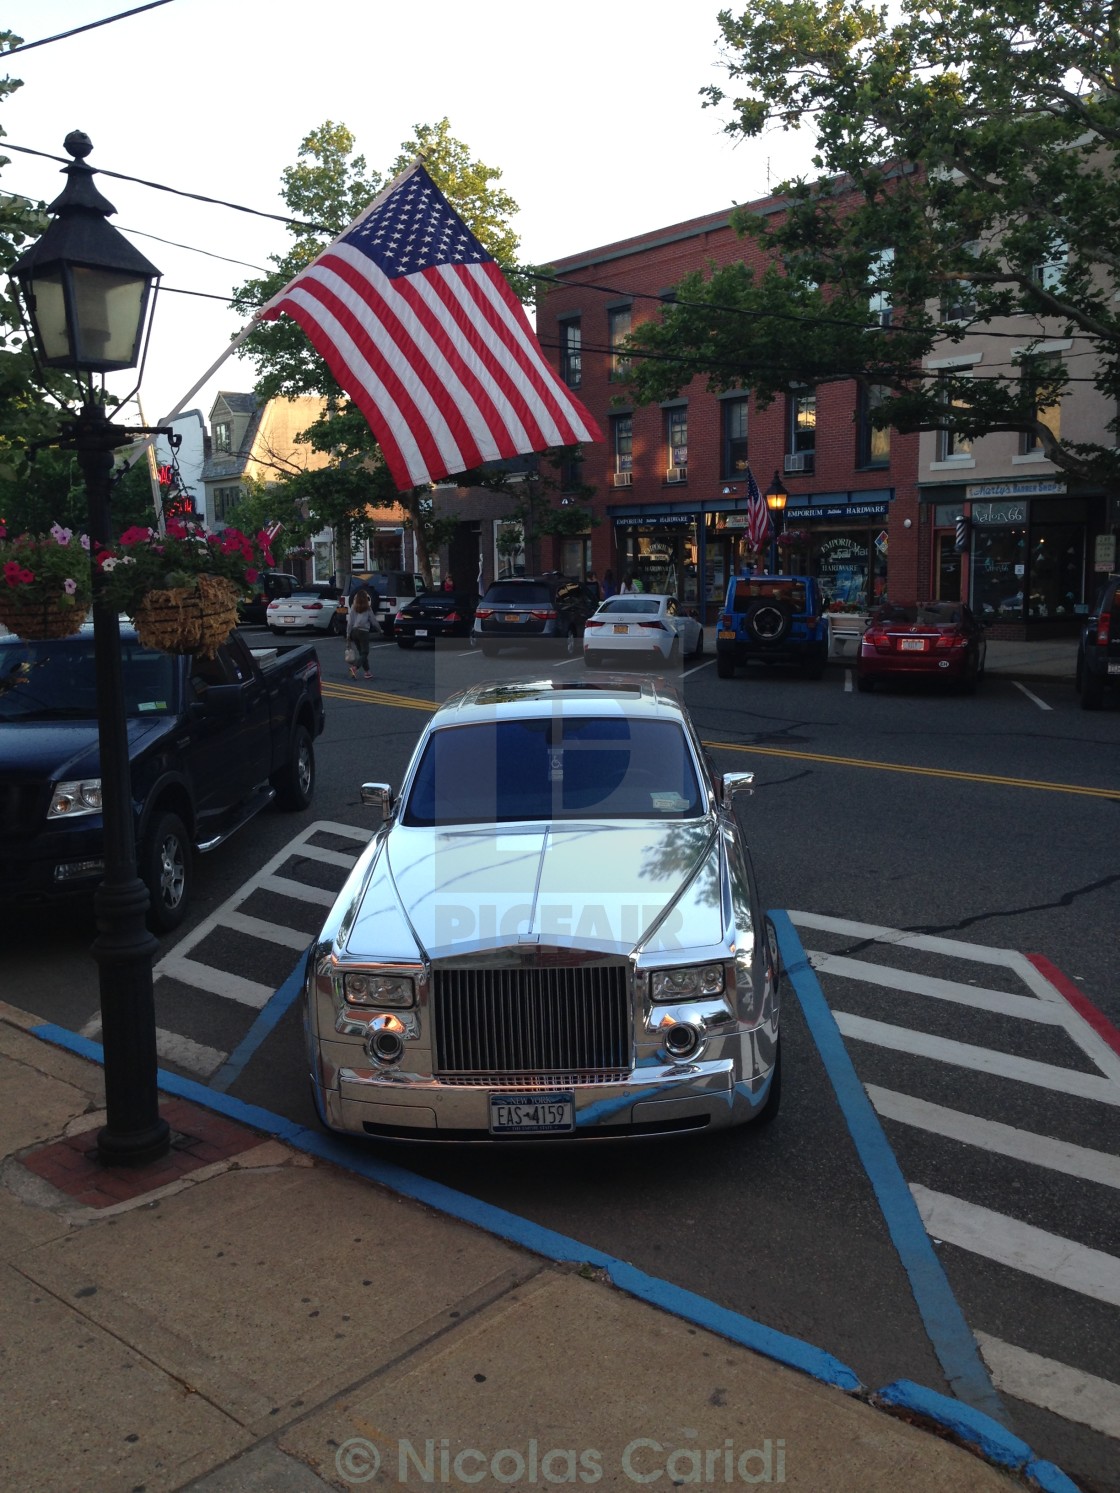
(970, 1429)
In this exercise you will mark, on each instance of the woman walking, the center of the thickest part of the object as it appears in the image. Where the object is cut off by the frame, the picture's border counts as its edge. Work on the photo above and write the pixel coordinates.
(359, 623)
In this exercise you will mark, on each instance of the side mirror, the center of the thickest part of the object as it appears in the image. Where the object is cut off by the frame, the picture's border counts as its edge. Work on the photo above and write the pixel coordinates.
(378, 796)
(732, 783)
(224, 701)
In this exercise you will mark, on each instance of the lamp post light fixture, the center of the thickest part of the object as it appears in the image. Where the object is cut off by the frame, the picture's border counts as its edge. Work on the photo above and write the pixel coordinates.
(84, 291)
(776, 499)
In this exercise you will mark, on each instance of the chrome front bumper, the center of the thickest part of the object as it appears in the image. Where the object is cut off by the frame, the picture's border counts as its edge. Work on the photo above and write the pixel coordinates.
(727, 1086)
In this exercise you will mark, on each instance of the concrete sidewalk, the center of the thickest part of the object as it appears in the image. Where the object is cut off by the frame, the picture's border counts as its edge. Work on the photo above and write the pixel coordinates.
(247, 1315)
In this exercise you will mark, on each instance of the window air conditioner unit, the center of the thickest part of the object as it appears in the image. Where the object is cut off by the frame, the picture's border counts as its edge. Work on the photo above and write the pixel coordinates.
(800, 461)
(676, 474)
(621, 479)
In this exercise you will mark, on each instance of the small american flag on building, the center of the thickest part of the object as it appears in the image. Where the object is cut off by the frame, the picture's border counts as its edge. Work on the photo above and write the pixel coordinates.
(418, 325)
(758, 516)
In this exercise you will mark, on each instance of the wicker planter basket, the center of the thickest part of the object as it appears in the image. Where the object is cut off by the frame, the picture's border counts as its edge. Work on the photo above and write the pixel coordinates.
(195, 619)
(40, 621)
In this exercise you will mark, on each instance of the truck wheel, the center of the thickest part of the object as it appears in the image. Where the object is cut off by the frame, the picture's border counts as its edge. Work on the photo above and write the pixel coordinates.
(165, 869)
(725, 665)
(295, 781)
(1092, 690)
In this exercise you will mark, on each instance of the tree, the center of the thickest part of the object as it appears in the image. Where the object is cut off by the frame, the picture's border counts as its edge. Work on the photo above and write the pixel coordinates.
(326, 189)
(979, 144)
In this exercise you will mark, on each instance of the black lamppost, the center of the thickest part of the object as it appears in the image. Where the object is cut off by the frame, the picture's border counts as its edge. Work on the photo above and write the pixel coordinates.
(776, 497)
(85, 291)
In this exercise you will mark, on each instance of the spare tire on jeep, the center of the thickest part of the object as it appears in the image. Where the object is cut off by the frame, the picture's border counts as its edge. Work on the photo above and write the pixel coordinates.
(769, 620)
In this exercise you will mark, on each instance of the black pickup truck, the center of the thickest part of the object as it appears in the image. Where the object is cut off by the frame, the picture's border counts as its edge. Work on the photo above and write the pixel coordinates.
(211, 742)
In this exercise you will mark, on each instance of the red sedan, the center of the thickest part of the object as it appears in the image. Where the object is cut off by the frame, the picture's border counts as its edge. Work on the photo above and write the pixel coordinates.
(922, 640)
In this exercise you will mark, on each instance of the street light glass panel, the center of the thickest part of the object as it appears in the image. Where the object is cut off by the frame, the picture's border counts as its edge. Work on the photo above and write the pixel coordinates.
(88, 319)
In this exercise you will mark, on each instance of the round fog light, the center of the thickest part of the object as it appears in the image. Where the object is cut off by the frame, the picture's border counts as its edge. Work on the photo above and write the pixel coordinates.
(386, 1046)
(680, 1041)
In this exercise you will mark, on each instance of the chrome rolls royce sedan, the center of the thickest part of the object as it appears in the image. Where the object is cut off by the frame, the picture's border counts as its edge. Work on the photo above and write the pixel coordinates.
(555, 932)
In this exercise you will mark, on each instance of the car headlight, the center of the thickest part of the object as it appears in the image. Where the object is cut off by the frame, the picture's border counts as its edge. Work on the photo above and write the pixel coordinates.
(82, 796)
(370, 988)
(689, 983)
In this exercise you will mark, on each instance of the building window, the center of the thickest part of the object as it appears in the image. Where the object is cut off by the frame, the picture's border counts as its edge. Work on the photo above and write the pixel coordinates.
(571, 353)
(873, 444)
(618, 329)
(1051, 275)
(735, 437)
(1036, 374)
(950, 443)
(223, 436)
(958, 299)
(802, 412)
(878, 278)
(226, 500)
(571, 473)
(676, 441)
(622, 448)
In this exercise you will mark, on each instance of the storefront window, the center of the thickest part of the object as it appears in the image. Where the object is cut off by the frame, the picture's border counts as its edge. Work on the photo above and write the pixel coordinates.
(999, 572)
(947, 574)
(843, 561)
(1055, 570)
(665, 559)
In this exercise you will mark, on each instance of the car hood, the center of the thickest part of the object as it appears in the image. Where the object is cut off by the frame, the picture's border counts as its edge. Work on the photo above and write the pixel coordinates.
(604, 889)
(61, 750)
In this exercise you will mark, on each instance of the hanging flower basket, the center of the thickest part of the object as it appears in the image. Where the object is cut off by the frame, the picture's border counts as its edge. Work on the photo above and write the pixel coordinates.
(39, 621)
(188, 619)
(45, 583)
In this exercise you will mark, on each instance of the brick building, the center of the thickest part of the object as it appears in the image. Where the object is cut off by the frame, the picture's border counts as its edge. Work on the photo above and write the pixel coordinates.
(671, 479)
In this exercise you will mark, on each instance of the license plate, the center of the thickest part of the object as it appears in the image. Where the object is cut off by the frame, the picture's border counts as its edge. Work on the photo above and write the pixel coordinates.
(913, 645)
(621, 627)
(513, 617)
(1114, 668)
(517, 1114)
(421, 632)
(287, 621)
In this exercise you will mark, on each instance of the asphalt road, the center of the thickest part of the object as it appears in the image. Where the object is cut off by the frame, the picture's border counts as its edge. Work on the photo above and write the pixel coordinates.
(922, 845)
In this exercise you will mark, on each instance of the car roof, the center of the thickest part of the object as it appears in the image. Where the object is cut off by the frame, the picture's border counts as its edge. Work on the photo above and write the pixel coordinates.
(637, 699)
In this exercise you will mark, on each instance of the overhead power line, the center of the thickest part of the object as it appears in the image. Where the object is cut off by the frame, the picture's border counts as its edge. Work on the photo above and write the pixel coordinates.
(26, 46)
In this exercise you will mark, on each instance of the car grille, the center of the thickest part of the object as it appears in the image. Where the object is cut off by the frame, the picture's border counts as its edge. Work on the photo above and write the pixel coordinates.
(23, 808)
(569, 1023)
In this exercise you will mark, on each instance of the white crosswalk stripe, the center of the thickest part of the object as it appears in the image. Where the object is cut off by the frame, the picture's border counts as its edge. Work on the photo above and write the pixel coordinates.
(858, 966)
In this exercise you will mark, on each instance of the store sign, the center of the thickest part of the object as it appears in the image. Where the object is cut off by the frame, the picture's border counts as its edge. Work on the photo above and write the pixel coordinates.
(800, 516)
(989, 515)
(1104, 553)
(656, 521)
(1021, 488)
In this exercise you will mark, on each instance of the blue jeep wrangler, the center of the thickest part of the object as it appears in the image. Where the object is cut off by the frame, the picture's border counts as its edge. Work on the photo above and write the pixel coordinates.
(773, 619)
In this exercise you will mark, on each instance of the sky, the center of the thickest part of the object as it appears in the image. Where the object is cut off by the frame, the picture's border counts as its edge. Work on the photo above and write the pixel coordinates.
(591, 110)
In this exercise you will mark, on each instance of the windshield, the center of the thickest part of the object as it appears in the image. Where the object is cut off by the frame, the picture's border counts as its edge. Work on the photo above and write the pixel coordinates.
(500, 772)
(932, 615)
(56, 681)
(522, 594)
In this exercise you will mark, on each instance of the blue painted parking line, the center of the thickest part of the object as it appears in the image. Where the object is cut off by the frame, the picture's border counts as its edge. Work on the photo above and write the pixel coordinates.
(940, 1312)
(978, 1430)
(263, 1027)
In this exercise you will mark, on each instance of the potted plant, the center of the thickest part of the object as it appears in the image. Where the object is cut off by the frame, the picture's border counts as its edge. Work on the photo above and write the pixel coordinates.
(45, 582)
(181, 588)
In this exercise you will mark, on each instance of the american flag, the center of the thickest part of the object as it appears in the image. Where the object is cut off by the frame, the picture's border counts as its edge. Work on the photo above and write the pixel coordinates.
(418, 325)
(758, 516)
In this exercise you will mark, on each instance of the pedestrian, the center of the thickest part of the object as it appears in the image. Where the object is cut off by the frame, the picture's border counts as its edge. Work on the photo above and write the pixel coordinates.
(448, 583)
(359, 625)
(627, 587)
(609, 587)
(594, 590)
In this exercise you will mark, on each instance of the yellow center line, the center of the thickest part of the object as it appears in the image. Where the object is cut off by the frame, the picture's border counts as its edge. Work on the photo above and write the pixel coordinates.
(379, 697)
(926, 772)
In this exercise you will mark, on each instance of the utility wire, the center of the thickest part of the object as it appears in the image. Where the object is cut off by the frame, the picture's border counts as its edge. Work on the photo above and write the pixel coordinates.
(25, 46)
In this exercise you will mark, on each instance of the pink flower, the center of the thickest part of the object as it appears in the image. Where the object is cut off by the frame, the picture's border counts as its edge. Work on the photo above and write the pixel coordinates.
(85, 541)
(61, 535)
(251, 575)
(13, 573)
(69, 587)
(137, 535)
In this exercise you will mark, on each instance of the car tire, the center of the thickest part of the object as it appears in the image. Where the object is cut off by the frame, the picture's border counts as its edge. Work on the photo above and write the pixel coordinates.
(725, 665)
(773, 1104)
(338, 626)
(590, 661)
(277, 632)
(406, 642)
(166, 870)
(769, 621)
(1091, 689)
(295, 781)
(864, 683)
(674, 659)
(699, 650)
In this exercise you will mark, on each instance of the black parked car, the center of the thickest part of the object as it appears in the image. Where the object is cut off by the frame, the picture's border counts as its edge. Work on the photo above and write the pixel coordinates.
(528, 610)
(435, 614)
(268, 585)
(1098, 651)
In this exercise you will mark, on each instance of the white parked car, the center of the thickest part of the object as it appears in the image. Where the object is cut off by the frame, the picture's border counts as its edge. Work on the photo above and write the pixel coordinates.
(643, 628)
(310, 609)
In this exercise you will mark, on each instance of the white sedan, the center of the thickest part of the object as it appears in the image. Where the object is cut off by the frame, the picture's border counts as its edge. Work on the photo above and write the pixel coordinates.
(645, 627)
(303, 610)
